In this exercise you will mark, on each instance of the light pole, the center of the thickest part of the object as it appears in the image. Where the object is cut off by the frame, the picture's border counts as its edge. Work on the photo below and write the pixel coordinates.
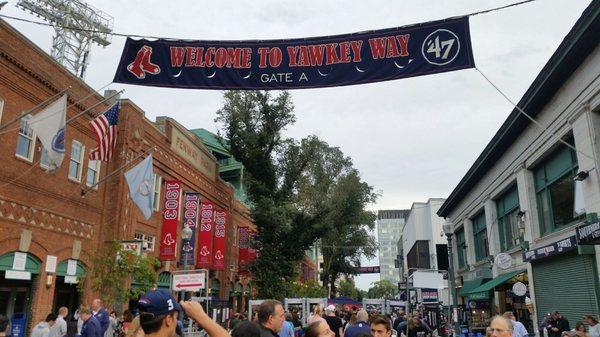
(448, 228)
(186, 235)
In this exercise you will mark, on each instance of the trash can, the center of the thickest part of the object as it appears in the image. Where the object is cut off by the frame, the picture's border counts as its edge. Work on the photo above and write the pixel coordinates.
(17, 325)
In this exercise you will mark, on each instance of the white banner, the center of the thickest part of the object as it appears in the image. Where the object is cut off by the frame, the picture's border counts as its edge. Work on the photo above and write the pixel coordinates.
(428, 279)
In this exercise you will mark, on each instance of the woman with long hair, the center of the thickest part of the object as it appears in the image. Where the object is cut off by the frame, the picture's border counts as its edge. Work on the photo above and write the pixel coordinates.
(317, 315)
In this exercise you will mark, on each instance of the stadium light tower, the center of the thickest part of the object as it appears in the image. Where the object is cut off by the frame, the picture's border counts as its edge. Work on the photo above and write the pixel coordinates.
(77, 26)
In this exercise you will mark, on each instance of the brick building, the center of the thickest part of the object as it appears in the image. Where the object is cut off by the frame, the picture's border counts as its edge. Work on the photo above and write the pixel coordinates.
(44, 221)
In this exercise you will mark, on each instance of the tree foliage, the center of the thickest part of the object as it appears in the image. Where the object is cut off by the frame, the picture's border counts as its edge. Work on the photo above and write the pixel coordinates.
(113, 266)
(383, 289)
(309, 289)
(299, 190)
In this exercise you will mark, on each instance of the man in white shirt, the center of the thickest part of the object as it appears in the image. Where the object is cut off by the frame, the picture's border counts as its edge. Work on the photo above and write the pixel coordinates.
(42, 329)
(59, 329)
(594, 329)
(519, 329)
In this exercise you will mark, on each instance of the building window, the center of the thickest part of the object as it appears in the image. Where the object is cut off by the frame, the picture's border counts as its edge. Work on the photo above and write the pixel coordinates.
(1, 108)
(76, 161)
(44, 161)
(555, 190)
(26, 140)
(510, 231)
(157, 186)
(480, 237)
(93, 173)
(461, 248)
(148, 239)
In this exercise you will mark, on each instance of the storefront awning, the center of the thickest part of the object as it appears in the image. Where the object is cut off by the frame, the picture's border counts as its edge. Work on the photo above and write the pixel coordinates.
(469, 286)
(493, 283)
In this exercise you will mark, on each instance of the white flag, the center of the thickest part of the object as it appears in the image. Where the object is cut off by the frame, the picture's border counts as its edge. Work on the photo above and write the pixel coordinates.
(49, 126)
(141, 186)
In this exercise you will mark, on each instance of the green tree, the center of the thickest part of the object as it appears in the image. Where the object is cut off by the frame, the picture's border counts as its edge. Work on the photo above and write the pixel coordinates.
(113, 266)
(348, 289)
(309, 289)
(348, 238)
(383, 289)
(253, 122)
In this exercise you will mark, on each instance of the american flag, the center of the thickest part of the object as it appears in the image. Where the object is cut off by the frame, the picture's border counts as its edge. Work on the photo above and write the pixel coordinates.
(105, 128)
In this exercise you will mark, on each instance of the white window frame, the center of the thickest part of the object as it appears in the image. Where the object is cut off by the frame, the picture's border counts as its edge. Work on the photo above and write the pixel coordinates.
(1, 108)
(157, 190)
(150, 240)
(29, 157)
(42, 164)
(98, 165)
(80, 162)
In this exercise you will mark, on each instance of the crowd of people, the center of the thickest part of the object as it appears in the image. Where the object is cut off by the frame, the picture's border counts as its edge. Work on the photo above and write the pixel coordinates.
(159, 316)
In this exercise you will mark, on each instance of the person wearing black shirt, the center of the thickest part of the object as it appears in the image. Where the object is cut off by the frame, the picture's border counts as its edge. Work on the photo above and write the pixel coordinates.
(416, 327)
(335, 323)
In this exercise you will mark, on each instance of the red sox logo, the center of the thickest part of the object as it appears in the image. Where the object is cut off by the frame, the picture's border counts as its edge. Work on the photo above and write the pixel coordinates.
(142, 64)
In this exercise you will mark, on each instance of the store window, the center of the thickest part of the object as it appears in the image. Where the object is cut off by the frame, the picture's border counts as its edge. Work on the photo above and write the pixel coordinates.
(76, 161)
(26, 141)
(480, 237)
(157, 186)
(510, 228)
(461, 248)
(555, 190)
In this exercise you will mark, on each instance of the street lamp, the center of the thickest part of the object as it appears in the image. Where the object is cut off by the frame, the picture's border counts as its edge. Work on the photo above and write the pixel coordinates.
(186, 235)
(448, 229)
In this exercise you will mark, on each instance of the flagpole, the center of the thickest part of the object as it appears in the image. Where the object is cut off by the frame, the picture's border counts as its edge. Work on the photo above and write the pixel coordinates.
(26, 112)
(85, 190)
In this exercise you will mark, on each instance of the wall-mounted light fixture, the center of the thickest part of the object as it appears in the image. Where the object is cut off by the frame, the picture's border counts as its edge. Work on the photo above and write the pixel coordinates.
(49, 280)
(581, 176)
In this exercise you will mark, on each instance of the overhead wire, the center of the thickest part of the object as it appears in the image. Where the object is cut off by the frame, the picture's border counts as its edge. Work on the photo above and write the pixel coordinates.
(96, 31)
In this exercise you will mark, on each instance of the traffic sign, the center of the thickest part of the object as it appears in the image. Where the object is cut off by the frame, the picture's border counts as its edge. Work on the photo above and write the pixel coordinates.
(193, 281)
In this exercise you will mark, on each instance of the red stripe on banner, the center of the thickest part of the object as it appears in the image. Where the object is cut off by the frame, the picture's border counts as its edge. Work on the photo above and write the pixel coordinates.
(170, 218)
(204, 248)
(219, 239)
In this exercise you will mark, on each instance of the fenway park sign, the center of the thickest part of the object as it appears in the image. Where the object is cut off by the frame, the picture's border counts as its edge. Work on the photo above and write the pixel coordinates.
(373, 56)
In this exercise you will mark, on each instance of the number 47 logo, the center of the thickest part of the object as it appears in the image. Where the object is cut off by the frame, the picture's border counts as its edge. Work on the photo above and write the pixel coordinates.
(441, 47)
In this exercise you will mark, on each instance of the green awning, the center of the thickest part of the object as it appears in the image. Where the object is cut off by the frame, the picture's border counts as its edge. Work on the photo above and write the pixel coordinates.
(61, 269)
(32, 264)
(493, 283)
(469, 286)
(164, 280)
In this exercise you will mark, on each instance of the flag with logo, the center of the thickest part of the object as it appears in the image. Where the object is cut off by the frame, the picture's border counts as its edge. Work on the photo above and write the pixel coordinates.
(105, 129)
(49, 126)
(141, 186)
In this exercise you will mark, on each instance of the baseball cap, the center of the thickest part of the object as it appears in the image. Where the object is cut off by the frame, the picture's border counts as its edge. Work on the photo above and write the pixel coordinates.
(158, 302)
(330, 307)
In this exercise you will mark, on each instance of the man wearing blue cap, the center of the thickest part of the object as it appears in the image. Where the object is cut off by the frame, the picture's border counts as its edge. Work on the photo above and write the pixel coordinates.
(159, 312)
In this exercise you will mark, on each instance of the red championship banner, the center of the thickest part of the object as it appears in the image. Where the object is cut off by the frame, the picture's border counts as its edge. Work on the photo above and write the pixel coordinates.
(219, 240)
(204, 247)
(245, 253)
(170, 219)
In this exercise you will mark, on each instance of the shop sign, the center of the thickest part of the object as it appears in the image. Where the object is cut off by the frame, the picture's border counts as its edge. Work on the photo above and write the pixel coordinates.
(429, 295)
(588, 234)
(17, 275)
(503, 261)
(555, 248)
(482, 295)
(51, 264)
(71, 279)
(369, 270)
(519, 289)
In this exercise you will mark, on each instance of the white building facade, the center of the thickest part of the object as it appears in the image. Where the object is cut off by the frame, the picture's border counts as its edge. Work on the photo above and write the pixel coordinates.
(390, 224)
(516, 204)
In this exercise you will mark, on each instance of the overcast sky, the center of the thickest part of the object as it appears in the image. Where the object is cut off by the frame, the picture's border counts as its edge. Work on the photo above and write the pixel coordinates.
(411, 139)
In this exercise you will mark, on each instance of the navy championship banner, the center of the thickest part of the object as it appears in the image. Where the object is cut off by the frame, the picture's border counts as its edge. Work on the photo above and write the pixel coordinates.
(373, 56)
